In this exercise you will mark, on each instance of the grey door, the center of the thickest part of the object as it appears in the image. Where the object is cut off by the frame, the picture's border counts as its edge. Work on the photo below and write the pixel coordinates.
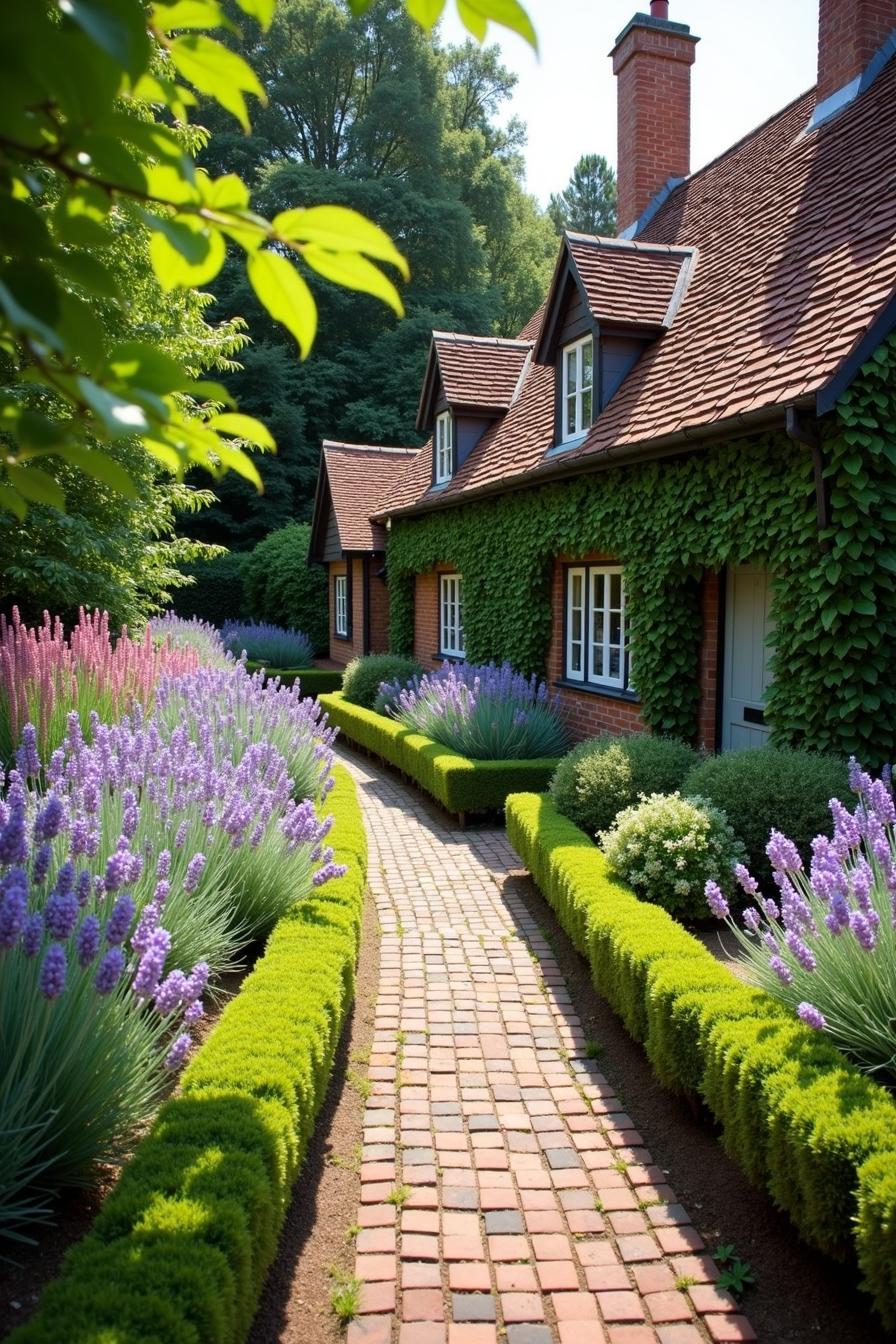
(747, 654)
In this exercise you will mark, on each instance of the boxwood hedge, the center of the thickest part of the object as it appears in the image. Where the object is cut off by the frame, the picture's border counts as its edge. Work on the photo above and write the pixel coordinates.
(181, 1247)
(313, 680)
(459, 784)
(799, 1119)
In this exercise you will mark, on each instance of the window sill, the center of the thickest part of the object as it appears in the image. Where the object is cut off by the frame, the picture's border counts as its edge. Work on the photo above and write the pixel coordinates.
(568, 444)
(345, 638)
(449, 657)
(591, 688)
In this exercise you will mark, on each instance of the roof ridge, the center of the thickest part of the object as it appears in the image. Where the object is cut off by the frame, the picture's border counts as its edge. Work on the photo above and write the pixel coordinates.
(366, 447)
(628, 244)
(460, 336)
(748, 135)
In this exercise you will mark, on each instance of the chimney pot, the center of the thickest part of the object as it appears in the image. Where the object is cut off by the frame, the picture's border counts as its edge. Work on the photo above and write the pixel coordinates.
(659, 9)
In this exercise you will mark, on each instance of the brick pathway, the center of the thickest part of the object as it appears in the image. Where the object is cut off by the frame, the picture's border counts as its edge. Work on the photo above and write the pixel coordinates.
(503, 1190)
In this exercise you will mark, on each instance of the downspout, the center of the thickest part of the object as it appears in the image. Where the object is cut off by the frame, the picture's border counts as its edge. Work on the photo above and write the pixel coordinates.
(808, 436)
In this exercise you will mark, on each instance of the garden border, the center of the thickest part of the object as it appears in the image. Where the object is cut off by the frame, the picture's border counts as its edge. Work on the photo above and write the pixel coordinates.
(796, 1116)
(314, 681)
(460, 784)
(182, 1245)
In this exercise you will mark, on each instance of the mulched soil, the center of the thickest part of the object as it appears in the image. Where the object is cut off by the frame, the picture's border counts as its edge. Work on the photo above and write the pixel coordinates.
(295, 1305)
(25, 1270)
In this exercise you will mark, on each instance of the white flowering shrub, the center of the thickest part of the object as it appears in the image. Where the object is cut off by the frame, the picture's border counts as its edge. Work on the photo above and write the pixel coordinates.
(666, 847)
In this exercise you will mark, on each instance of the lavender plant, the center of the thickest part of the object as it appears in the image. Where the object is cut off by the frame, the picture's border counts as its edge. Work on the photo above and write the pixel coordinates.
(484, 711)
(93, 1018)
(179, 633)
(269, 644)
(826, 946)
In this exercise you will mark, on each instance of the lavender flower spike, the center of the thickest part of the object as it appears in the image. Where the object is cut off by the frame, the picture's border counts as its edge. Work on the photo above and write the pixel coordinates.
(811, 1016)
(715, 900)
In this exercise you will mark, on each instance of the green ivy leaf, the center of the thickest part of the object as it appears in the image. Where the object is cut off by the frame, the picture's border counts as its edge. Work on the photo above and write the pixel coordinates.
(285, 295)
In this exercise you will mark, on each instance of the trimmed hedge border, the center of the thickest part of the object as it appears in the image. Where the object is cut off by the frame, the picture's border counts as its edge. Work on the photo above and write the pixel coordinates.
(181, 1247)
(819, 1135)
(459, 784)
(314, 680)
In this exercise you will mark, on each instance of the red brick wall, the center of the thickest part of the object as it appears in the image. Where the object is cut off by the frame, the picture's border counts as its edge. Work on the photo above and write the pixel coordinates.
(379, 609)
(344, 650)
(426, 617)
(709, 663)
(849, 33)
(653, 69)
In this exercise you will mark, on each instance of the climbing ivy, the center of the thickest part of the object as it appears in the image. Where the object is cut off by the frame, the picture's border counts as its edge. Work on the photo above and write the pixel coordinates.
(834, 598)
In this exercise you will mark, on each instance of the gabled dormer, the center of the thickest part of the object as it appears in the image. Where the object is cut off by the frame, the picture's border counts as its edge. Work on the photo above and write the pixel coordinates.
(470, 381)
(609, 300)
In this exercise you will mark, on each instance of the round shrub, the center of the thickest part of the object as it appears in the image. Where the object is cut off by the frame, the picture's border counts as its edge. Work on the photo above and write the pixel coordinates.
(282, 588)
(605, 774)
(772, 787)
(361, 679)
(668, 847)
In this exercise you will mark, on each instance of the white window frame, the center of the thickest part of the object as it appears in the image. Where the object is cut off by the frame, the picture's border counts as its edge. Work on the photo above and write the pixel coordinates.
(588, 590)
(451, 616)
(340, 605)
(576, 394)
(444, 447)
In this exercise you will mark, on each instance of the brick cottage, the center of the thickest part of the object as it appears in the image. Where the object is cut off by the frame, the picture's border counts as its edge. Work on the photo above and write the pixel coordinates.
(702, 357)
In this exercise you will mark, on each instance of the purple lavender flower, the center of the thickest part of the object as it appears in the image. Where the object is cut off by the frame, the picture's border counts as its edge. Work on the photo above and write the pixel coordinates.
(146, 927)
(180, 838)
(163, 864)
(811, 1016)
(752, 919)
(53, 972)
(783, 854)
(170, 993)
(716, 900)
(111, 969)
(50, 819)
(178, 1052)
(193, 873)
(193, 1012)
(770, 909)
(32, 934)
(161, 893)
(863, 930)
(859, 782)
(781, 970)
(197, 981)
(27, 756)
(13, 913)
(837, 918)
(40, 867)
(880, 801)
(120, 920)
(61, 914)
(87, 943)
(118, 867)
(151, 964)
(804, 955)
(130, 813)
(82, 890)
(746, 880)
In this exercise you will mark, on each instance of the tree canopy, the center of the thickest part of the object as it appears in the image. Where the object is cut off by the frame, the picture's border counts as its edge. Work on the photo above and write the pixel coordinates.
(587, 204)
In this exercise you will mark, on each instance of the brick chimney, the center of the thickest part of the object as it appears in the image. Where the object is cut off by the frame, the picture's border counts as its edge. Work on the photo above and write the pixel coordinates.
(849, 34)
(652, 62)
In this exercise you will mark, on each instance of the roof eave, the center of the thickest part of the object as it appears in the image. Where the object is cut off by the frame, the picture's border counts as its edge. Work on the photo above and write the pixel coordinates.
(830, 393)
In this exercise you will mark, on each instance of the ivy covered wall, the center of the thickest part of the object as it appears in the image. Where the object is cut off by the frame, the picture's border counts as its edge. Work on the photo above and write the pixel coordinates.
(834, 599)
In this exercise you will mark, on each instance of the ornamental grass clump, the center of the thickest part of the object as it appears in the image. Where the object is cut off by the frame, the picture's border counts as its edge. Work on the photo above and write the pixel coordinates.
(93, 1014)
(666, 848)
(44, 675)
(826, 945)
(269, 644)
(485, 712)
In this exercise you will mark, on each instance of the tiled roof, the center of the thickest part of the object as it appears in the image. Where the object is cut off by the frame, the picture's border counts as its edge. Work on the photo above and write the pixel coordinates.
(480, 371)
(796, 241)
(630, 283)
(359, 479)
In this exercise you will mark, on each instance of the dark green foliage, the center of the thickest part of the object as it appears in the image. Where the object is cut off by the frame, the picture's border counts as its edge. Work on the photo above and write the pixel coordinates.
(772, 788)
(182, 1245)
(800, 1120)
(313, 680)
(218, 594)
(283, 588)
(587, 203)
(361, 679)
(603, 775)
(834, 611)
(459, 784)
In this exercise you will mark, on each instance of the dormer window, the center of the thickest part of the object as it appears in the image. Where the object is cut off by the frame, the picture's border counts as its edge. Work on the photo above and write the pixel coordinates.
(444, 447)
(578, 385)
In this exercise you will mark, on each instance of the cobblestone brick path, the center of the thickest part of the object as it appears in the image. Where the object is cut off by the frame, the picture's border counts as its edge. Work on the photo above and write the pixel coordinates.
(504, 1193)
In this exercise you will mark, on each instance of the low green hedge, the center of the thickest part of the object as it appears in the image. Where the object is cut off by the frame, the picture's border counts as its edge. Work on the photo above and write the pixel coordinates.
(459, 784)
(181, 1247)
(314, 680)
(799, 1119)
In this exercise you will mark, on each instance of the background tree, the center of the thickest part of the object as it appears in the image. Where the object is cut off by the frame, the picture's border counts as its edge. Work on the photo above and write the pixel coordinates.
(587, 203)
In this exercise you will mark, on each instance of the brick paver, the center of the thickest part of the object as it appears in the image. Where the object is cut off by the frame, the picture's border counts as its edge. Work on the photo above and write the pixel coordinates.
(505, 1194)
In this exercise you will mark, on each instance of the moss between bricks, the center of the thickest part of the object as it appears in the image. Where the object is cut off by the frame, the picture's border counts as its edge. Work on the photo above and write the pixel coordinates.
(180, 1249)
(313, 680)
(459, 784)
(799, 1119)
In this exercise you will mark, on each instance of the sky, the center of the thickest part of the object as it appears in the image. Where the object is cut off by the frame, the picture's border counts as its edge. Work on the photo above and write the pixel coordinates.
(754, 56)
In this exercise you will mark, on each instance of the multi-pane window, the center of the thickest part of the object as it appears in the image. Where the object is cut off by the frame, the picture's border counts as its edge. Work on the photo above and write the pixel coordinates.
(340, 605)
(444, 447)
(578, 387)
(451, 616)
(597, 649)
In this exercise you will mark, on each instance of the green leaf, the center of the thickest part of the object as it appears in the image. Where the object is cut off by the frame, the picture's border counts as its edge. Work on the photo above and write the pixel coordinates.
(12, 502)
(339, 230)
(425, 12)
(475, 14)
(220, 73)
(117, 26)
(117, 415)
(99, 467)
(354, 272)
(147, 366)
(223, 193)
(190, 14)
(261, 10)
(84, 269)
(285, 295)
(36, 485)
(79, 217)
(206, 390)
(244, 427)
(185, 251)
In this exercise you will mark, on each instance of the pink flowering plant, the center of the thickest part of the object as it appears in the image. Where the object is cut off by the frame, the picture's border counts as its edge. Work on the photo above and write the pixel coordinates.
(93, 1015)
(45, 674)
(484, 711)
(825, 944)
